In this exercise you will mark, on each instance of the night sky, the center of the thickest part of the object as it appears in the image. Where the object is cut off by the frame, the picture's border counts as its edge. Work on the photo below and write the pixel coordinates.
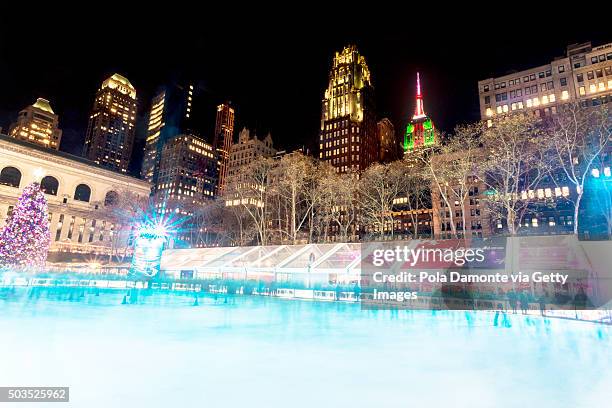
(274, 73)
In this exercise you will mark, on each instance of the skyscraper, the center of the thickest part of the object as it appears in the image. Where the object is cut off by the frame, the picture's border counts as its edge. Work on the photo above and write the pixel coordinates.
(171, 114)
(110, 133)
(38, 124)
(389, 147)
(349, 136)
(420, 130)
(151, 156)
(187, 170)
(224, 134)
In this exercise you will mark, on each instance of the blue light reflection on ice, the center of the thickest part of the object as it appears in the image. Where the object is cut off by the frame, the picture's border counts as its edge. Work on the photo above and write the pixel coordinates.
(239, 351)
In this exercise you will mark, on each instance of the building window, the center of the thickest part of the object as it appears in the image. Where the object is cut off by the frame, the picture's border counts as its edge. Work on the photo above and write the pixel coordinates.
(563, 81)
(561, 68)
(82, 193)
(10, 176)
(111, 198)
(49, 185)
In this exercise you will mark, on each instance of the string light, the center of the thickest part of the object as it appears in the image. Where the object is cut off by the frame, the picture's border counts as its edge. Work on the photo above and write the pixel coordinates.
(25, 239)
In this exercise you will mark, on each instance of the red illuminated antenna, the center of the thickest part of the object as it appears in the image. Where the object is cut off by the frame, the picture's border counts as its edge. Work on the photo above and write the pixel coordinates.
(419, 112)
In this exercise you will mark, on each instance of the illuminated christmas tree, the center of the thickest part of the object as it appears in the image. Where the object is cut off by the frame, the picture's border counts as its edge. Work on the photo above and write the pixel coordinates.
(420, 131)
(24, 240)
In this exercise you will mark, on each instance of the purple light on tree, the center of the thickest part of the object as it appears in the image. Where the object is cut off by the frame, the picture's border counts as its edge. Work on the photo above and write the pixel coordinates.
(25, 239)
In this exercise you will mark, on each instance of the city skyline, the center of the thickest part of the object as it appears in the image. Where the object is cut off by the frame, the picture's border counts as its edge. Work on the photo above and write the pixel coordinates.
(254, 80)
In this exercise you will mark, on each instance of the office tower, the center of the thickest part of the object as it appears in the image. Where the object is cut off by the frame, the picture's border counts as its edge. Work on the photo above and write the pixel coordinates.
(583, 74)
(38, 124)
(349, 135)
(150, 160)
(389, 147)
(420, 130)
(171, 114)
(110, 133)
(187, 170)
(224, 134)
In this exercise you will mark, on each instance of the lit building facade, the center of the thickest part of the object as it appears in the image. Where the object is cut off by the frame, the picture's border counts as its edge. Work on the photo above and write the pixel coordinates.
(150, 160)
(187, 171)
(349, 135)
(224, 137)
(584, 74)
(110, 132)
(473, 211)
(171, 114)
(82, 197)
(38, 124)
(409, 222)
(247, 150)
(389, 146)
(420, 131)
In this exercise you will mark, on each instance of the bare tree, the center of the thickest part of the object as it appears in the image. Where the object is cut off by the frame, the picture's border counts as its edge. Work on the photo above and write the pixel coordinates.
(452, 168)
(318, 198)
(236, 225)
(379, 185)
(205, 223)
(292, 176)
(343, 192)
(579, 135)
(416, 195)
(250, 189)
(514, 163)
(124, 212)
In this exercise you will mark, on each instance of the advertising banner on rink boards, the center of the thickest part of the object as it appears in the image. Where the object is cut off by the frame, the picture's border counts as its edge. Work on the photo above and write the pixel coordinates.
(551, 272)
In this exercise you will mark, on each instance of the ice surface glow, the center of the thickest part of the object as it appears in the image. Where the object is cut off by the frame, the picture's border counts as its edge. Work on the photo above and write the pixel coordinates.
(255, 351)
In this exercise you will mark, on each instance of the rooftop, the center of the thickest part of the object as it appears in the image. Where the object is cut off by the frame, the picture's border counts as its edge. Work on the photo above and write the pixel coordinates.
(43, 104)
(59, 154)
(120, 83)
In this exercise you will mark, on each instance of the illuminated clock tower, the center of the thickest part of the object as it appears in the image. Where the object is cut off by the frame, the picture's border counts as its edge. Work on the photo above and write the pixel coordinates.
(420, 131)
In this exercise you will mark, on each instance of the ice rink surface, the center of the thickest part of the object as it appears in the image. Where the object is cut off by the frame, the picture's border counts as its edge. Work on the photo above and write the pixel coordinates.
(240, 351)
